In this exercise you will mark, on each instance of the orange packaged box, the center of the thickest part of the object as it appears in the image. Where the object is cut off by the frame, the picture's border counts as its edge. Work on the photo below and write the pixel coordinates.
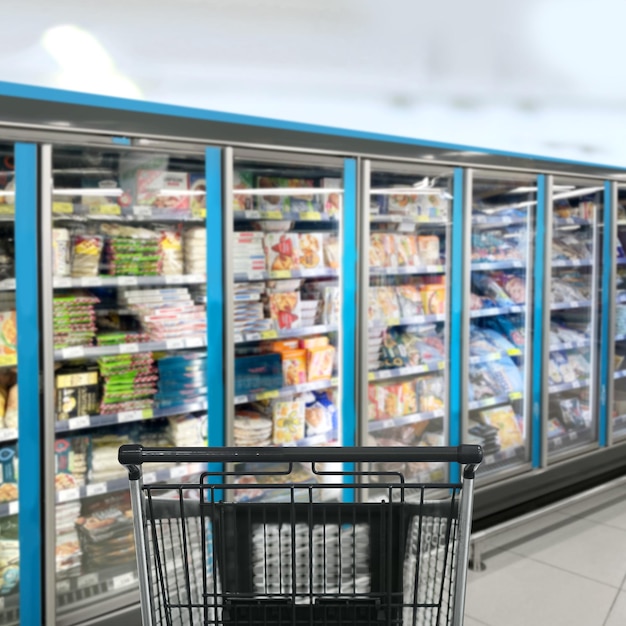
(284, 344)
(285, 309)
(433, 299)
(294, 367)
(320, 363)
(314, 342)
(409, 398)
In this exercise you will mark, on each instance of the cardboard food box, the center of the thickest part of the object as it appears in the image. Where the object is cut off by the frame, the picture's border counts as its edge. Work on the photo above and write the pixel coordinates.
(76, 393)
(163, 190)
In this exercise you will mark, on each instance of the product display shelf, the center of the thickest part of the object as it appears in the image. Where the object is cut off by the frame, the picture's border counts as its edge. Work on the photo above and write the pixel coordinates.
(407, 271)
(619, 423)
(286, 334)
(494, 401)
(570, 345)
(409, 219)
(399, 372)
(96, 421)
(244, 277)
(574, 437)
(572, 263)
(408, 321)
(502, 310)
(120, 484)
(377, 425)
(561, 306)
(317, 385)
(578, 384)
(495, 461)
(495, 356)
(497, 265)
(129, 281)
(8, 434)
(9, 508)
(94, 352)
(304, 216)
(67, 211)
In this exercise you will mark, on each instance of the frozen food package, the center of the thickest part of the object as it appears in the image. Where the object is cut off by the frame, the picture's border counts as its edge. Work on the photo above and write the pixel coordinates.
(285, 309)
(410, 301)
(382, 251)
(197, 187)
(282, 251)
(170, 253)
(8, 333)
(320, 413)
(288, 421)
(332, 202)
(407, 250)
(8, 476)
(320, 363)
(11, 413)
(311, 249)
(294, 366)
(428, 246)
(163, 189)
(433, 299)
(433, 205)
(9, 554)
(60, 252)
(331, 305)
(331, 251)
(86, 251)
(402, 203)
(504, 419)
(242, 180)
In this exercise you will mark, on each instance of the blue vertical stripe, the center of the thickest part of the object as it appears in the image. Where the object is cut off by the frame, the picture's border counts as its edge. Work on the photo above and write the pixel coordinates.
(459, 256)
(608, 268)
(539, 278)
(215, 296)
(348, 314)
(30, 445)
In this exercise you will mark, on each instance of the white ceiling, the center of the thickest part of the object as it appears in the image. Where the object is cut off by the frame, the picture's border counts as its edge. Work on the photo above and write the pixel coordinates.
(543, 76)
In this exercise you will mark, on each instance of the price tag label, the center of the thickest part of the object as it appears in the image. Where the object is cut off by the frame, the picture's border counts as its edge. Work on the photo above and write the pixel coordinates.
(176, 279)
(281, 274)
(384, 374)
(76, 423)
(395, 321)
(175, 344)
(8, 359)
(67, 495)
(129, 416)
(406, 227)
(371, 376)
(6, 434)
(7, 209)
(128, 348)
(312, 216)
(146, 414)
(252, 215)
(149, 477)
(128, 280)
(441, 365)
(124, 580)
(195, 342)
(253, 336)
(269, 334)
(14, 507)
(200, 213)
(88, 580)
(97, 489)
(241, 399)
(178, 471)
(63, 207)
(142, 211)
(62, 283)
(516, 395)
(63, 586)
(105, 209)
(266, 395)
(90, 282)
(256, 275)
(272, 215)
(238, 338)
(73, 353)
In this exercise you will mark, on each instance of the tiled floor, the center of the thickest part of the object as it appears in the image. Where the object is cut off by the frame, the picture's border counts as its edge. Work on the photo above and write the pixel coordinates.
(571, 574)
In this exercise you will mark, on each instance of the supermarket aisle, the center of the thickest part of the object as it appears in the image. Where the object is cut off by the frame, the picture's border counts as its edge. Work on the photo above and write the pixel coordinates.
(572, 573)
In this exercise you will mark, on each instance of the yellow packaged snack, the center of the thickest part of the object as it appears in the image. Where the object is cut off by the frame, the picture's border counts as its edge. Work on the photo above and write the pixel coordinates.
(288, 417)
(294, 367)
(320, 363)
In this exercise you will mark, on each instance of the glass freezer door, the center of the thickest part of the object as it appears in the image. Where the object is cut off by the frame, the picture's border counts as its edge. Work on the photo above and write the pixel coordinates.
(284, 280)
(572, 263)
(9, 545)
(498, 337)
(408, 221)
(128, 339)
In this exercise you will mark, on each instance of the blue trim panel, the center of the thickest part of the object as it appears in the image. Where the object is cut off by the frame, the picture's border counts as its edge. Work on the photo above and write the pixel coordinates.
(16, 90)
(27, 301)
(349, 268)
(457, 270)
(537, 425)
(608, 269)
(215, 296)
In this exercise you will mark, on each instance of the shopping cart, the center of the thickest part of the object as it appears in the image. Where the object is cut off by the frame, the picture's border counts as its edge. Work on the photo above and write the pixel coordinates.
(286, 536)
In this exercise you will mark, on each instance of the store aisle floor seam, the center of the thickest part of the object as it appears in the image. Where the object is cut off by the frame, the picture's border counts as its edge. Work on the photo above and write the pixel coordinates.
(617, 595)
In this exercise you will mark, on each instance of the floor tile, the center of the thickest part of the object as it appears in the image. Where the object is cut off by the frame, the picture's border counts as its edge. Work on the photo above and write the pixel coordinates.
(516, 591)
(611, 514)
(617, 616)
(583, 547)
(470, 621)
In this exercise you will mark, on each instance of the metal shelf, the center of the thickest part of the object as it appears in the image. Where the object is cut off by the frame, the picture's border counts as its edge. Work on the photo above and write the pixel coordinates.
(93, 352)
(407, 271)
(10, 508)
(408, 321)
(580, 304)
(285, 334)
(494, 401)
(579, 384)
(8, 435)
(121, 484)
(287, 391)
(129, 281)
(495, 356)
(583, 435)
(409, 219)
(497, 265)
(398, 372)
(572, 263)
(304, 216)
(244, 277)
(67, 211)
(501, 310)
(497, 221)
(96, 421)
(570, 345)
(376, 425)
(503, 456)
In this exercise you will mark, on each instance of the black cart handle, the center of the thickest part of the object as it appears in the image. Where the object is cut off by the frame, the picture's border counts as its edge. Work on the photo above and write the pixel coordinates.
(135, 454)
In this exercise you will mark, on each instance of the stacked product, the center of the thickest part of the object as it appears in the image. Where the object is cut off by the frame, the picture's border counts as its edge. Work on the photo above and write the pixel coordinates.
(166, 313)
(570, 287)
(508, 433)
(74, 320)
(494, 378)
(572, 246)
(327, 293)
(9, 554)
(131, 251)
(392, 250)
(194, 250)
(411, 346)
(305, 360)
(561, 333)
(104, 465)
(249, 255)
(249, 318)
(128, 382)
(485, 342)
(387, 305)
(249, 292)
(567, 415)
(568, 367)
(389, 401)
(86, 250)
(492, 245)
(188, 430)
(433, 205)
(499, 288)
(252, 428)
(374, 343)
(170, 253)
(71, 456)
(105, 530)
(182, 379)
(68, 552)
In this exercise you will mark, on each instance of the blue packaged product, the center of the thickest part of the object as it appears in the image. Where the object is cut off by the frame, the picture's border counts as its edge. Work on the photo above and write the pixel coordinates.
(255, 374)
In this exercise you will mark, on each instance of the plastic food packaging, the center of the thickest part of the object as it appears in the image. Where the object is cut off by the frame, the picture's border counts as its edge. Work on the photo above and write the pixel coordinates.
(86, 251)
(61, 252)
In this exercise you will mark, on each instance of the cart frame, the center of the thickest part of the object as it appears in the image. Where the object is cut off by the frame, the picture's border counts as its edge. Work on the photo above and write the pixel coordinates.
(134, 456)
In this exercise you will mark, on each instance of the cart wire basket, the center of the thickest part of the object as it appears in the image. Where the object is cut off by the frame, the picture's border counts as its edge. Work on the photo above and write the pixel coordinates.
(256, 541)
